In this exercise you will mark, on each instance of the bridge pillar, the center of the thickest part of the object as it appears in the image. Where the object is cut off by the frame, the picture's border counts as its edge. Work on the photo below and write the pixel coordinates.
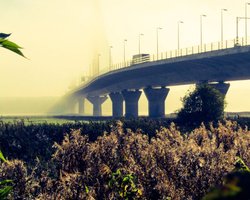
(156, 101)
(97, 102)
(81, 101)
(131, 102)
(117, 104)
(221, 87)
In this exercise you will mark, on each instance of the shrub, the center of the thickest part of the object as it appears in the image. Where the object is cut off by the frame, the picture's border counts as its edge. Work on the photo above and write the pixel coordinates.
(5, 187)
(235, 185)
(170, 165)
(204, 104)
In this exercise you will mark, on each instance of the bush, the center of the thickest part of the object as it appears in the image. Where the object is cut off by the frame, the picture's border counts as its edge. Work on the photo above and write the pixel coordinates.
(31, 141)
(235, 185)
(169, 165)
(204, 104)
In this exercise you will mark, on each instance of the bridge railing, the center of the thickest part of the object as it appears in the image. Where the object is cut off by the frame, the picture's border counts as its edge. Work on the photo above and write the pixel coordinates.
(214, 46)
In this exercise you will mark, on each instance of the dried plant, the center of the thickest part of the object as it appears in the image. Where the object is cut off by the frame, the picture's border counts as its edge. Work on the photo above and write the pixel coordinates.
(171, 165)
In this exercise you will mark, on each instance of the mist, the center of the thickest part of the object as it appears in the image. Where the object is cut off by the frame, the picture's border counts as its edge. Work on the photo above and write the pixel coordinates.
(26, 105)
(63, 41)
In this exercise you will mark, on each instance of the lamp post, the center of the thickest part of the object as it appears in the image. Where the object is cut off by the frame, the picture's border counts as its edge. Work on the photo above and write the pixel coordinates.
(222, 10)
(157, 41)
(178, 35)
(140, 42)
(201, 16)
(110, 57)
(246, 4)
(237, 29)
(124, 50)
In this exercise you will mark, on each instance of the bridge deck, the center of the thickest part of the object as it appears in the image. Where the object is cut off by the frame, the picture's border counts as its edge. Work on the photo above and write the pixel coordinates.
(220, 65)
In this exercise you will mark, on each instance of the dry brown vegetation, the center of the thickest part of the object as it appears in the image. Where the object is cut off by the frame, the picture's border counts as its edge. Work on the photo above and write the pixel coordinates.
(170, 165)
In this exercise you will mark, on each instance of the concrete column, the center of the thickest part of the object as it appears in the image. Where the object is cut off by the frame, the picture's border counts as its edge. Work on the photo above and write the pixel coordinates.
(117, 104)
(81, 101)
(156, 101)
(221, 87)
(131, 102)
(97, 102)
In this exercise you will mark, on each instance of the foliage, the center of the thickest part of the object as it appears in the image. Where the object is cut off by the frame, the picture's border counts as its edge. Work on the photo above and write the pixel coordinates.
(235, 185)
(5, 187)
(32, 140)
(170, 165)
(2, 157)
(204, 104)
(124, 186)
(10, 45)
(27, 142)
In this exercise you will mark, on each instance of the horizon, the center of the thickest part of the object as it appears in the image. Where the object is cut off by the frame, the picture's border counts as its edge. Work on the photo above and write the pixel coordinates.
(61, 38)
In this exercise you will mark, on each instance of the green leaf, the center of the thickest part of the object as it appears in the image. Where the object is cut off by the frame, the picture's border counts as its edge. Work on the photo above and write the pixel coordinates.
(4, 192)
(240, 165)
(1, 41)
(86, 189)
(11, 46)
(14, 50)
(125, 179)
(2, 157)
(5, 182)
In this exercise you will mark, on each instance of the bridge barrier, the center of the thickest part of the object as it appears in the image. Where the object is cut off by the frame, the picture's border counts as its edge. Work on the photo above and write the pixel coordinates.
(214, 46)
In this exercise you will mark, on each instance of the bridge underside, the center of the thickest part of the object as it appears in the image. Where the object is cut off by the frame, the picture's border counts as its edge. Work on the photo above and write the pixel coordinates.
(216, 66)
(212, 67)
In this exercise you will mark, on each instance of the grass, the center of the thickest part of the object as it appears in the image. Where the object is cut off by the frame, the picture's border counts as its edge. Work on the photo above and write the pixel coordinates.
(37, 119)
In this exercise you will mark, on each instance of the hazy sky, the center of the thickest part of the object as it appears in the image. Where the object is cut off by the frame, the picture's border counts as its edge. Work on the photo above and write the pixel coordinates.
(60, 36)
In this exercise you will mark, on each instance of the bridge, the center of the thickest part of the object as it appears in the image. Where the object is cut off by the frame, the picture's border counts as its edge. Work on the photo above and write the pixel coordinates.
(214, 63)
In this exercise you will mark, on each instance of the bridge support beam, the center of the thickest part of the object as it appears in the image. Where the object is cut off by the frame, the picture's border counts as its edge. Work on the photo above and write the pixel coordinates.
(131, 102)
(221, 87)
(117, 104)
(97, 102)
(81, 101)
(156, 101)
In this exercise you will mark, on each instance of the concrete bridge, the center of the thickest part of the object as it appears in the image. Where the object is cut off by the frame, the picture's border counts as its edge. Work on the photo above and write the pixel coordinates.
(214, 65)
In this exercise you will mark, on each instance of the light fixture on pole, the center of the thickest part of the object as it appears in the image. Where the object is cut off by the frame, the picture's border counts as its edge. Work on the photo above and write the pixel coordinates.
(157, 41)
(246, 4)
(140, 42)
(178, 35)
(124, 50)
(222, 10)
(201, 16)
(237, 30)
(110, 58)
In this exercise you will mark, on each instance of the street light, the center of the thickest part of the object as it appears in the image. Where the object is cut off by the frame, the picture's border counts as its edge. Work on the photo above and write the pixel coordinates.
(222, 25)
(157, 40)
(201, 16)
(110, 58)
(140, 42)
(124, 50)
(237, 29)
(178, 35)
(246, 21)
